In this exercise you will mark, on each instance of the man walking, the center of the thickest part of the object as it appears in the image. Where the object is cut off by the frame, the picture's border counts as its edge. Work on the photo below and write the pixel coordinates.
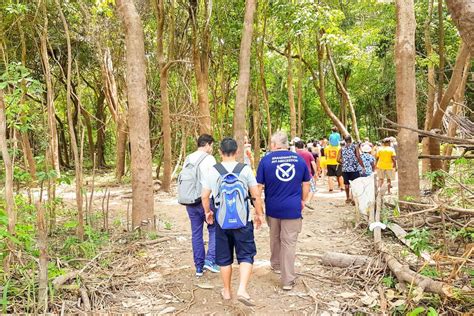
(313, 169)
(334, 168)
(285, 177)
(386, 163)
(201, 161)
(233, 195)
(352, 165)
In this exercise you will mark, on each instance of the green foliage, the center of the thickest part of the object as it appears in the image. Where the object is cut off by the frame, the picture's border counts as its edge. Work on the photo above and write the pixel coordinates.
(419, 240)
(420, 310)
(430, 272)
(389, 281)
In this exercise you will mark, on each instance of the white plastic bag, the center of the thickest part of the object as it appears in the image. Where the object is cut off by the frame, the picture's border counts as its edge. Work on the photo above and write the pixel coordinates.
(363, 190)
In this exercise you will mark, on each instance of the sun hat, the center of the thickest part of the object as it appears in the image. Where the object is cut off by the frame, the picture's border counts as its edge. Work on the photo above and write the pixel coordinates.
(366, 148)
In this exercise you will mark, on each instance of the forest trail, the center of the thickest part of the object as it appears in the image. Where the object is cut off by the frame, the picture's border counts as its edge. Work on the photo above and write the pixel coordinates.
(159, 277)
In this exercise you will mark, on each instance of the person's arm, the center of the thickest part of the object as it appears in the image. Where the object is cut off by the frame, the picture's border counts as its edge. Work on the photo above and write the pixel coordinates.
(339, 157)
(305, 193)
(394, 160)
(255, 192)
(206, 204)
(315, 168)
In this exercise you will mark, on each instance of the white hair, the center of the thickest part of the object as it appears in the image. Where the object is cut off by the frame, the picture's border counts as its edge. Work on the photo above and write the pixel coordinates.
(280, 139)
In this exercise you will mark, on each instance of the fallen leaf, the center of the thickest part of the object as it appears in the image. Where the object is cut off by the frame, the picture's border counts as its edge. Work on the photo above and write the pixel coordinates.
(397, 303)
(390, 294)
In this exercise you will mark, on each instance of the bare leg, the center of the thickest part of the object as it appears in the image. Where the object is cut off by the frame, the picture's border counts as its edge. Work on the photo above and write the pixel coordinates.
(226, 274)
(389, 185)
(245, 269)
(340, 180)
(346, 187)
(330, 185)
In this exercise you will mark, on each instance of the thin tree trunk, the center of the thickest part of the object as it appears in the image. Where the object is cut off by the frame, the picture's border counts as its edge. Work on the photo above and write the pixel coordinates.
(53, 146)
(142, 181)
(462, 13)
(256, 129)
(100, 142)
(300, 98)
(263, 82)
(442, 57)
(409, 178)
(165, 107)
(43, 259)
(244, 78)
(425, 163)
(9, 198)
(201, 63)
(75, 150)
(25, 141)
(321, 87)
(345, 95)
(459, 99)
(291, 94)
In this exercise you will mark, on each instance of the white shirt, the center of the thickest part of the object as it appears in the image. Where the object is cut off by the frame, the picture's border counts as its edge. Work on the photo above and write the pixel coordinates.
(205, 165)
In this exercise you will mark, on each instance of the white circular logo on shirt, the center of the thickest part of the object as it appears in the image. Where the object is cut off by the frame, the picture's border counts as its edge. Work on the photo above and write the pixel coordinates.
(285, 172)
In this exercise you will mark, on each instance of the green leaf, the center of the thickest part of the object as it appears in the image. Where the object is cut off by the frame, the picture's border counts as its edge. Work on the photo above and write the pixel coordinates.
(417, 311)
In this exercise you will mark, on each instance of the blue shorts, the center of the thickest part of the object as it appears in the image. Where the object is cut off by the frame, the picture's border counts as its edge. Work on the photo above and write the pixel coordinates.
(242, 240)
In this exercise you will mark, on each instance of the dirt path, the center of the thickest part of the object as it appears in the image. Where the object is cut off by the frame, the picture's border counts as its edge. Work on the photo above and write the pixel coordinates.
(163, 273)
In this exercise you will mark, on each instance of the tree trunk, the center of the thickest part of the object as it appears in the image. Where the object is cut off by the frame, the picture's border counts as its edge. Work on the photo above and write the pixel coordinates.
(459, 100)
(25, 140)
(291, 94)
(43, 259)
(9, 198)
(75, 150)
(345, 95)
(300, 98)
(462, 13)
(441, 49)
(53, 146)
(119, 113)
(244, 78)
(320, 86)
(63, 144)
(425, 163)
(409, 178)
(263, 82)
(256, 129)
(201, 63)
(165, 107)
(141, 166)
(100, 142)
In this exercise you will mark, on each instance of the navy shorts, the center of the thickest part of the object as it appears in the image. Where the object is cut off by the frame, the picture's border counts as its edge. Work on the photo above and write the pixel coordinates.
(350, 176)
(242, 240)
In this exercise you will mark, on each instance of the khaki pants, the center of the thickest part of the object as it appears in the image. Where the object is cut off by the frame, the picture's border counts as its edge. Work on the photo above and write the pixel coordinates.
(283, 238)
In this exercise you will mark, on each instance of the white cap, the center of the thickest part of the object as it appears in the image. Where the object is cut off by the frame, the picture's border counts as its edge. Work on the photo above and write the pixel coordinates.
(296, 139)
(366, 148)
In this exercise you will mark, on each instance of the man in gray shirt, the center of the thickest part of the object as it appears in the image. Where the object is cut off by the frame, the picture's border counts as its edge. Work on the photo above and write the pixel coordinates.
(241, 239)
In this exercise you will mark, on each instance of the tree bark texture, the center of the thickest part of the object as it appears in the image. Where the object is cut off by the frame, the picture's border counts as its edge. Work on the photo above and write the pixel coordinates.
(165, 106)
(9, 198)
(200, 47)
(291, 94)
(74, 146)
(345, 96)
(462, 13)
(141, 166)
(409, 178)
(53, 146)
(244, 78)
(425, 163)
(43, 258)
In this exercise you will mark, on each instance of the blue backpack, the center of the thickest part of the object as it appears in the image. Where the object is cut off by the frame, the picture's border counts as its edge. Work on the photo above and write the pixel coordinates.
(232, 198)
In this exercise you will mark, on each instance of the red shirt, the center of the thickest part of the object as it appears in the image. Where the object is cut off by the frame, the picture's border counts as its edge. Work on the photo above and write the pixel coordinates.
(307, 157)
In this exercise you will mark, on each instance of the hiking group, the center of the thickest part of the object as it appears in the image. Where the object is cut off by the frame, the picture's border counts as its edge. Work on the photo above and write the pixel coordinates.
(220, 195)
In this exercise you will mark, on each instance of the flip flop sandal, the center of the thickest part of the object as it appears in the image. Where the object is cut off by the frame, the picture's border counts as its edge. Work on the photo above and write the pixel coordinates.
(246, 301)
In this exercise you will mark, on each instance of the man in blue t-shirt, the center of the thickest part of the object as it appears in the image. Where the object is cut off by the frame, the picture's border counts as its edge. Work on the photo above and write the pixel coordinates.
(285, 177)
(335, 137)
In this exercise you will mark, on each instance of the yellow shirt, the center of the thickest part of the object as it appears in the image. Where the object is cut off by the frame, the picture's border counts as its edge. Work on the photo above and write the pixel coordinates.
(385, 154)
(331, 152)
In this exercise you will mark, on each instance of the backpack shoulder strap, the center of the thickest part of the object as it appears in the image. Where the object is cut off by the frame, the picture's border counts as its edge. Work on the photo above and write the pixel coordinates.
(221, 169)
(238, 168)
(201, 159)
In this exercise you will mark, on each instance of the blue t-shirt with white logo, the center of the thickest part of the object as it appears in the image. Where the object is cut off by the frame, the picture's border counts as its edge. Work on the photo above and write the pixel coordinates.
(334, 139)
(282, 173)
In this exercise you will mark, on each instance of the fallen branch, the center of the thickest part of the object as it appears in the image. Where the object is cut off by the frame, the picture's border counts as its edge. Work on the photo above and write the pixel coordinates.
(62, 279)
(85, 300)
(400, 233)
